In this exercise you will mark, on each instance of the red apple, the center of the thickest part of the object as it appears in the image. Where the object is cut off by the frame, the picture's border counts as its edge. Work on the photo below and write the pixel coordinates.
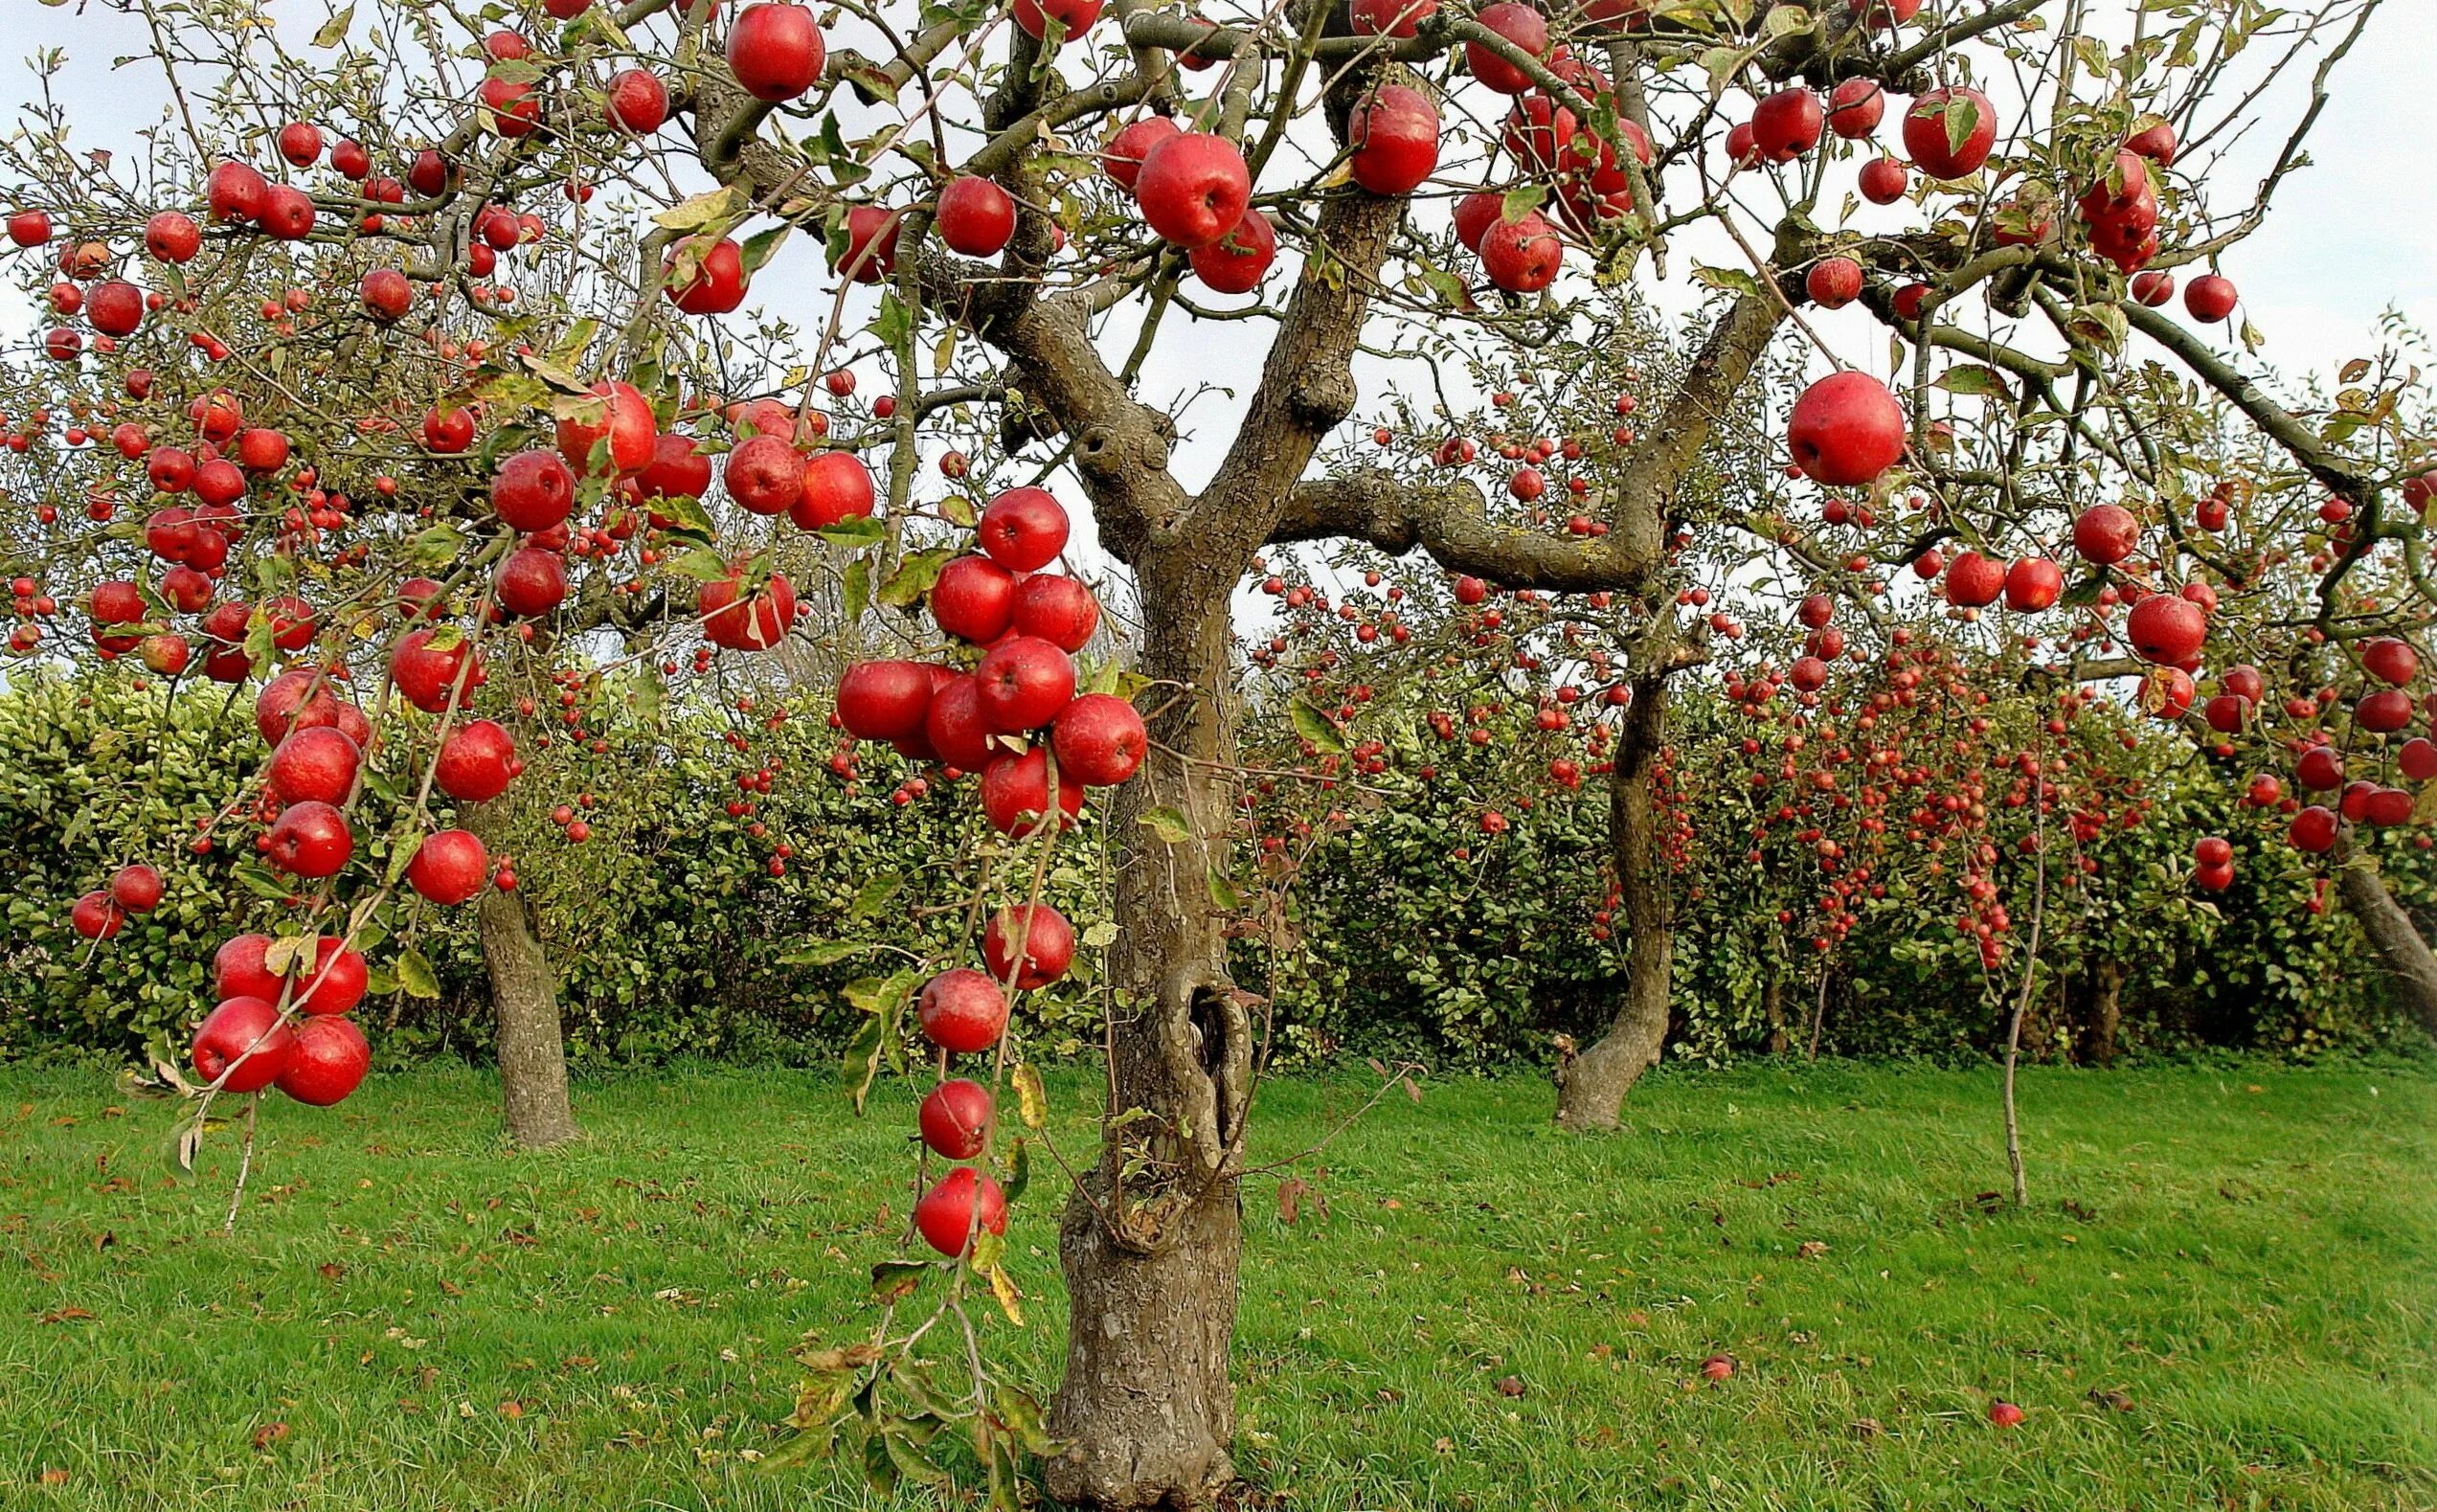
(963, 1201)
(1123, 157)
(1015, 793)
(1846, 430)
(314, 765)
(1193, 189)
(450, 866)
(776, 49)
(2167, 628)
(1047, 943)
(884, 700)
(1395, 137)
(2106, 533)
(974, 216)
(1949, 131)
(765, 475)
(477, 762)
(1056, 608)
(533, 490)
(1521, 257)
(973, 599)
(961, 1011)
(1522, 26)
(1236, 263)
(2033, 583)
(1854, 108)
(837, 487)
(327, 1062)
(1023, 530)
(953, 1117)
(243, 1041)
(2210, 297)
(1099, 740)
(1024, 682)
(1832, 282)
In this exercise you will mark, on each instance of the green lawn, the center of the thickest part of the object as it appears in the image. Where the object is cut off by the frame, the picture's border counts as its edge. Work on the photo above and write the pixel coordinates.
(2244, 1253)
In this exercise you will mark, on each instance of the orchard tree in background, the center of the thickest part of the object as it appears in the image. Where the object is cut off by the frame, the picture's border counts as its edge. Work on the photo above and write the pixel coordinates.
(1024, 215)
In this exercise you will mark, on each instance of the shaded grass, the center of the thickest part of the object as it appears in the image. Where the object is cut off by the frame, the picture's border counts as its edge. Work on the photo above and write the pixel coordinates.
(1486, 1314)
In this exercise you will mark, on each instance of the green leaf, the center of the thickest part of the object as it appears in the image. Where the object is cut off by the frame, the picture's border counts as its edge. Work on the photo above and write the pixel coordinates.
(687, 512)
(915, 577)
(1974, 380)
(874, 894)
(1168, 825)
(829, 953)
(1734, 278)
(416, 976)
(334, 30)
(1018, 1171)
(855, 591)
(854, 533)
(861, 1061)
(1521, 202)
(702, 565)
(1223, 893)
(1315, 727)
(1033, 1103)
(1962, 118)
(1785, 21)
(700, 210)
(260, 883)
(435, 546)
(895, 1280)
(761, 246)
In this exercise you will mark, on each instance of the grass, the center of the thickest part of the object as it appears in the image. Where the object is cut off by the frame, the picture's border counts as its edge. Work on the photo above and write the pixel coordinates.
(407, 1318)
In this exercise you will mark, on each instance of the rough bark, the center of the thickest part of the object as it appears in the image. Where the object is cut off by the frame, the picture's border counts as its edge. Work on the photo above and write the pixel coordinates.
(2102, 1012)
(532, 1055)
(2410, 965)
(1592, 1094)
(1146, 1408)
(1773, 1006)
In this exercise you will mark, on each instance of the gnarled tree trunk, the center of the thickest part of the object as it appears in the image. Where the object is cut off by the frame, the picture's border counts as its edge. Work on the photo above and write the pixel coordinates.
(1146, 1408)
(2410, 965)
(1592, 1092)
(532, 1055)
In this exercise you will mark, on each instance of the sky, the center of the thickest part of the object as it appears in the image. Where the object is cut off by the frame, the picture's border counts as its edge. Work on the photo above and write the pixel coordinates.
(2348, 237)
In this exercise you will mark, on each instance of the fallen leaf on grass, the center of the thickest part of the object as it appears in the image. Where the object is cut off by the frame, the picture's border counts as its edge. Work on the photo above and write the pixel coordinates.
(1810, 1248)
(54, 1478)
(1510, 1385)
(268, 1435)
(67, 1314)
(2114, 1401)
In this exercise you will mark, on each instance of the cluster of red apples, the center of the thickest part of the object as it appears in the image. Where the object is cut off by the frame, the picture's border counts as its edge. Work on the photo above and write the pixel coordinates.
(1015, 718)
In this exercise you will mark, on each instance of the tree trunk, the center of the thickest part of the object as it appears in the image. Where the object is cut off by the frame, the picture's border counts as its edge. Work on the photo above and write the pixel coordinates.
(2102, 1015)
(1773, 1006)
(1146, 1408)
(532, 1053)
(2410, 965)
(1592, 1092)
